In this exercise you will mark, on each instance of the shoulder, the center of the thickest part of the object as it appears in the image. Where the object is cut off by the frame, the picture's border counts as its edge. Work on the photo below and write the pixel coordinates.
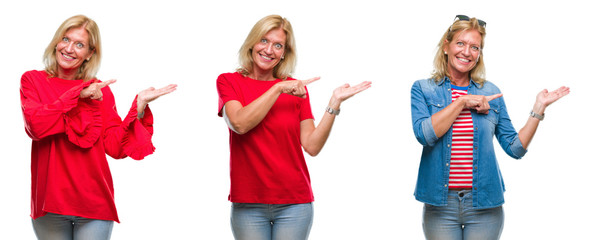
(229, 79)
(230, 76)
(35, 74)
(425, 84)
(490, 88)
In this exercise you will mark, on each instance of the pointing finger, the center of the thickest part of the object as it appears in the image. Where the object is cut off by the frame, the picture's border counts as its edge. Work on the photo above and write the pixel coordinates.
(106, 83)
(489, 98)
(308, 81)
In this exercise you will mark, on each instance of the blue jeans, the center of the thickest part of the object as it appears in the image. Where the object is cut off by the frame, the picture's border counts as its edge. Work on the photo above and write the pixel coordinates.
(63, 227)
(271, 221)
(458, 220)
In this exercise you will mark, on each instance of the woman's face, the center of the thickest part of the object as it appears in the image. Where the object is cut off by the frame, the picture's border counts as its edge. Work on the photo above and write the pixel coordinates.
(268, 52)
(72, 50)
(463, 52)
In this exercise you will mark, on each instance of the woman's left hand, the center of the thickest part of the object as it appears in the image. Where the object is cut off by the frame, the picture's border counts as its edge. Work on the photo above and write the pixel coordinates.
(346, 91)
(146, 96)
(545, 98)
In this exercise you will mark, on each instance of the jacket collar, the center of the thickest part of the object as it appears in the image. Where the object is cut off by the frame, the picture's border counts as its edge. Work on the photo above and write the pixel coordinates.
(447, 79)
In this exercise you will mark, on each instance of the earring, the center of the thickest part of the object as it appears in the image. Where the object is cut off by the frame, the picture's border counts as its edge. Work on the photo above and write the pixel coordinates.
(282, 57)
(445, 53)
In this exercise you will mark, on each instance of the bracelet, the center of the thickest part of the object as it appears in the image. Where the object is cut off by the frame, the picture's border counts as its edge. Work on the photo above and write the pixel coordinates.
(332, 111)
(538, 116)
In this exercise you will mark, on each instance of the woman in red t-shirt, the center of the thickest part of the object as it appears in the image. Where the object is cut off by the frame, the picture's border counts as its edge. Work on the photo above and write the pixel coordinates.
(270, 118)
(72, 118)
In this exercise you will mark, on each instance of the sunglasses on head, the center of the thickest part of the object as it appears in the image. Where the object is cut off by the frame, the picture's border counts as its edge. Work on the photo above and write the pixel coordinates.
(466, 18)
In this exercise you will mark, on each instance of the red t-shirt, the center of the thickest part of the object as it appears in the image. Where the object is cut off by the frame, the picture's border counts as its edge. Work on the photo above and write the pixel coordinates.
(267, 163)
(69, 170)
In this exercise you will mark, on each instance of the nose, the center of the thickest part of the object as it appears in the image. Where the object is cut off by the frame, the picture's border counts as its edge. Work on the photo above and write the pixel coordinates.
(269, 49)
(70, 47)
(466, 51)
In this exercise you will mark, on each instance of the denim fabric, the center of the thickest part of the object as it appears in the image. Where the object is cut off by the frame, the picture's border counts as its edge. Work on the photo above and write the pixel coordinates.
(429, 97)
(271, 221)
(459, 221)
(63, 227)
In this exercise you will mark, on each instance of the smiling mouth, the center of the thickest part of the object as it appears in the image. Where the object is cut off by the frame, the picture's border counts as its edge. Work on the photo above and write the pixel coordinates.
(464, 60)
(266, 57)
(67, 57)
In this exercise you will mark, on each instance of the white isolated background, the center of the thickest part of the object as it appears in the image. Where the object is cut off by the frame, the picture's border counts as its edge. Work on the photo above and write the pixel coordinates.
(364, 178)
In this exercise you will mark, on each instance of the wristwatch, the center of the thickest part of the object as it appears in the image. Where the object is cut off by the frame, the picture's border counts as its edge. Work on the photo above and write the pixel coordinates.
(538, 116)
(332, 111)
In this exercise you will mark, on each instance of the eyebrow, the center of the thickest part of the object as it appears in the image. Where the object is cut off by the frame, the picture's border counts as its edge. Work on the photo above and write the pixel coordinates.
(470, 43)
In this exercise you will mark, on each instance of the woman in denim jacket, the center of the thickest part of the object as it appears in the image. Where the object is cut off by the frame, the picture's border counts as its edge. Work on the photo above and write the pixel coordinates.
(459, 178)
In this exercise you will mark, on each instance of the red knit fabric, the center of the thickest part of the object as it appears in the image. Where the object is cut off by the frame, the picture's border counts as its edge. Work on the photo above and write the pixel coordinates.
(267, 163)
(69, 170)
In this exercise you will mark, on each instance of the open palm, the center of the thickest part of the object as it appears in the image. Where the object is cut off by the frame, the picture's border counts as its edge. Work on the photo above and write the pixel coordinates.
(546, 98)
(346, 91)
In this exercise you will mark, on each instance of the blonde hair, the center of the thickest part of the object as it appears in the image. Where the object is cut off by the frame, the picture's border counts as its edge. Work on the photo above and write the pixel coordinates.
(88, 69)
(286, 66)
(441, 60)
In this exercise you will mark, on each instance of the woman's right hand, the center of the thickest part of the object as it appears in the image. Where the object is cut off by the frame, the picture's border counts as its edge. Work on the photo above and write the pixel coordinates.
(93, 91)
(296, 87)
(479, 103)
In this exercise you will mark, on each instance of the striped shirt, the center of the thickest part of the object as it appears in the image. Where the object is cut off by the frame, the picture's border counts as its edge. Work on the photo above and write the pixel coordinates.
(462, 145)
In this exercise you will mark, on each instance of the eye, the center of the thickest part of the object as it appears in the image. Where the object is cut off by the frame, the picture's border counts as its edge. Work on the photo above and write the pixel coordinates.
(79, 45)
(65, 39)
(278, 46)
(475, 48)
(460, 44)
(264, 40)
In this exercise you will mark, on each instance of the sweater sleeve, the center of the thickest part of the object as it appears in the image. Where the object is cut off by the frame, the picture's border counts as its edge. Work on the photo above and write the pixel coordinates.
(130, 136)
(45, 115)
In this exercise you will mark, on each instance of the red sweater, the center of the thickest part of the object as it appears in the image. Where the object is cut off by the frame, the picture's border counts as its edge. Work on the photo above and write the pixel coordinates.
(267, 163)
(69, 171)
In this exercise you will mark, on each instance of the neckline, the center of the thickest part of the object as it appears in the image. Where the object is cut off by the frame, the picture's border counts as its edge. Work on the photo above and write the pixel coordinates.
(459, 87)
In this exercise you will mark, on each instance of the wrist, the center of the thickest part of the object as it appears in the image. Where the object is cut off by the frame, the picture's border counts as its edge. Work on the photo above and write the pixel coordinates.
(140, 106)
(461, 102)
(334, 103)
(537, 115)
(277, 88)
(539, 108)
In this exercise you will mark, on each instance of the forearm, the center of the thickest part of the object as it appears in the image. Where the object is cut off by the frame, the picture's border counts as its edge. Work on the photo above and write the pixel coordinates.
(527, 132)
(314, 140)
(443, 120)
(44, 119)
(129, 137)
(245, 118)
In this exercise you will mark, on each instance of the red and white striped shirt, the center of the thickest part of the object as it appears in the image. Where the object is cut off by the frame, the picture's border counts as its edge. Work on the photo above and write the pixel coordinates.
(462, 145)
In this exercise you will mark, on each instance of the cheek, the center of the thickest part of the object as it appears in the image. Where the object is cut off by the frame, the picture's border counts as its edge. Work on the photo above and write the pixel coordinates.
(257, 48)
(82, 53)
(60, 46)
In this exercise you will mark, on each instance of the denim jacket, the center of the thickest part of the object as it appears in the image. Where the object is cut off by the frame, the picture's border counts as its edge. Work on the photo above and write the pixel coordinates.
(429, 97)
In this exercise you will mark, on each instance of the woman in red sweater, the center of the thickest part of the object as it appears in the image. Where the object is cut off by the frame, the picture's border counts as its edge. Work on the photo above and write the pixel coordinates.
(270, 118)
(73, 121)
